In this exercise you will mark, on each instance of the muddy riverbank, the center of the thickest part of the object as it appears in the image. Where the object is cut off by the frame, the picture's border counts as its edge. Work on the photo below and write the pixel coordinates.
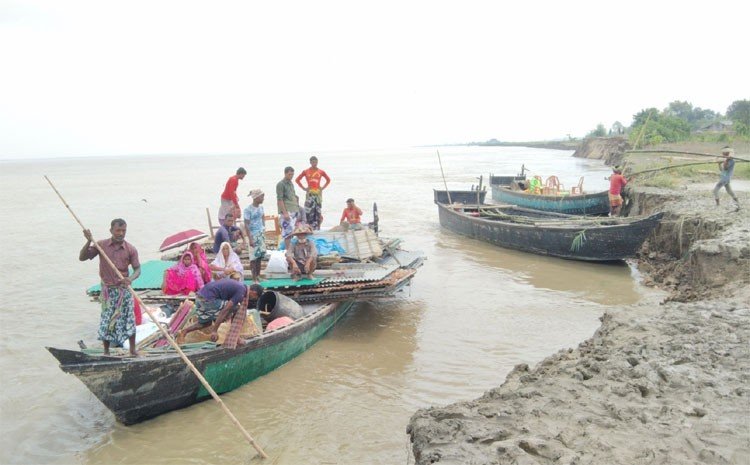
(662, 381)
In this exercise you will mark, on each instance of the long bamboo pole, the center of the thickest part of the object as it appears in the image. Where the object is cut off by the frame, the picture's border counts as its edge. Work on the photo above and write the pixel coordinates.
(444, 182)
(643, 128)
(166, 335)
(670, 167)
(680, 152)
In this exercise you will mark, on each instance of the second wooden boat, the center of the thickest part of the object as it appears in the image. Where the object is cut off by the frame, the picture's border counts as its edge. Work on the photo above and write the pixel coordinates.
(545, 233)
(578, 204)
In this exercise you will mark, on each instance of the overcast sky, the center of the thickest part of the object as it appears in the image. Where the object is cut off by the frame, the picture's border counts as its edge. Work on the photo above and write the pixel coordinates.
(101, 77)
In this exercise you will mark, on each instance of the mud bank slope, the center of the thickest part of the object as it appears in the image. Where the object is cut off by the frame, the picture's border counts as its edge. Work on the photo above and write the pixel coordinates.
(659, 382)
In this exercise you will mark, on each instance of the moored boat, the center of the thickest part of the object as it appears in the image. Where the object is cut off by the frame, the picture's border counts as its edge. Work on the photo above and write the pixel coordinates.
(459, 196)
(546, 233)
(136, 389)
(574, 204)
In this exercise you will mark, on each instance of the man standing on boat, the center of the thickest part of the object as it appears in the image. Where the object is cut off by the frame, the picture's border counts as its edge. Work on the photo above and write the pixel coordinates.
(726, 168)
(255, 226)
(219, 300)
(117, 321)
(230, 203)
(314, 197)
(616, 182)
(288, 204)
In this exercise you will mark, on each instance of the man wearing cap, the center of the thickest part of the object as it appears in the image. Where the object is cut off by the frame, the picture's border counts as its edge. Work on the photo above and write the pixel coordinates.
(302, 255)
(726, 169)
(616, 182)
(230, 203)
(219, 300)
(255, 231)
(288, 205)
(314, 192)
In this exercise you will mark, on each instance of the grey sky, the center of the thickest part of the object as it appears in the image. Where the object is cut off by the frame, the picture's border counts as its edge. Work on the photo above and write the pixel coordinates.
(100, 77)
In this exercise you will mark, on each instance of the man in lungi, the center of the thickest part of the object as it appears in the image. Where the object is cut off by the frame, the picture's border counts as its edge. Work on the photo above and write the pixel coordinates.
(117, 322)
(314, 192)
(288, 204)
(219, 300)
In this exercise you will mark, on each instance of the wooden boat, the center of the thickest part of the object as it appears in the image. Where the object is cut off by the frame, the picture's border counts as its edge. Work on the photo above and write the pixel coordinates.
(577, 204)
(459, 196)
(507, 180)
(136, 389)
(547, 233)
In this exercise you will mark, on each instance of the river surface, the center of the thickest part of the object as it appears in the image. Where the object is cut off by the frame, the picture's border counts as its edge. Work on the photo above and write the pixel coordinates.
(472, 313)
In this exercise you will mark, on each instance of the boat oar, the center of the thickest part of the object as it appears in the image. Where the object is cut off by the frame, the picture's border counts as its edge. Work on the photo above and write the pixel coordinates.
(450, 202)
(166, 334)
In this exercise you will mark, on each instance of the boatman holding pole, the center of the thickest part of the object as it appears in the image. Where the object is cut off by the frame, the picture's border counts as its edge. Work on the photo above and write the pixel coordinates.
(117, 322)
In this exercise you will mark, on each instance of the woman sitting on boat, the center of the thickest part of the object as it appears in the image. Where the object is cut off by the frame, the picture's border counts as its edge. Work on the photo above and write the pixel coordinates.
(183, 278)
(200, 260)
(226, 262)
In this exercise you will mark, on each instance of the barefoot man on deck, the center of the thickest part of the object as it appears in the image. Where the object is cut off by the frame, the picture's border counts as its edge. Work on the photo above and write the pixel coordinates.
(117, 321)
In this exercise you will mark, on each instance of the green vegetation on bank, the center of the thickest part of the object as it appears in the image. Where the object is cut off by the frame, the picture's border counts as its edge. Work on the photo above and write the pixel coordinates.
(680, 121)
(696, 173)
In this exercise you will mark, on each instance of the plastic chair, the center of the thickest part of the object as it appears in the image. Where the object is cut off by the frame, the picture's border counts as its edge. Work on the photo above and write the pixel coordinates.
(552, 185)
(577, 189)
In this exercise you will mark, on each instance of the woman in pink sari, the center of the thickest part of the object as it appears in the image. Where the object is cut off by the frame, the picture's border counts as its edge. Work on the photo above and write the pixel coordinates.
(182, 278)
(200, 260)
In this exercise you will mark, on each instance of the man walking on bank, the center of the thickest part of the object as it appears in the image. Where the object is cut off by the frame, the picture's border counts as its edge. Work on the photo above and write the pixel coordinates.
(117, 322)
(726, 169)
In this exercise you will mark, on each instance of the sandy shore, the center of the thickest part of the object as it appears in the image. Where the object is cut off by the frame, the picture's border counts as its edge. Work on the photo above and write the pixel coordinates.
(659, 382)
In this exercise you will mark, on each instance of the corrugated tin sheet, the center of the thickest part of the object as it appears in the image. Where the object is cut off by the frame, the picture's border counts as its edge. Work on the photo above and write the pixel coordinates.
(404, 258)
(152, 276)
(375, 273)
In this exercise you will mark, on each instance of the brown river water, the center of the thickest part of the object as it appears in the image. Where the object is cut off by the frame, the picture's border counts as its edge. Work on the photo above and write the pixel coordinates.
(472, 313)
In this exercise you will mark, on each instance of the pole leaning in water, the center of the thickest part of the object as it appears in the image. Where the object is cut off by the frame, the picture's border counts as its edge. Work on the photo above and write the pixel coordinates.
(447, 192)
(166, 335)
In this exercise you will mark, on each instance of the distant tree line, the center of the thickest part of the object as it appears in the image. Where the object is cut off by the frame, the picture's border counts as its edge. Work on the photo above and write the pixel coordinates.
(680, 121)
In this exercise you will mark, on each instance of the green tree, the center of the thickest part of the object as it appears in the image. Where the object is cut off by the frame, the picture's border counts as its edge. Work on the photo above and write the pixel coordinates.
(651, 127)
(739, 112)
(682, 110)
(600, 131)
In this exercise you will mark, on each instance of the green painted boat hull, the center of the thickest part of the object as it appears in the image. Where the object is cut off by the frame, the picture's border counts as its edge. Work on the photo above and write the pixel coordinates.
(136, 389)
